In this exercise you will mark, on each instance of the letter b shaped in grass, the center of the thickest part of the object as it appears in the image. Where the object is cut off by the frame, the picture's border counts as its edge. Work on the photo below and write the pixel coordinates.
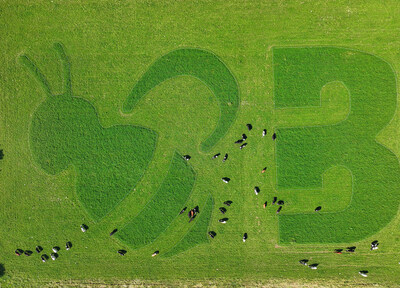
(303, 154)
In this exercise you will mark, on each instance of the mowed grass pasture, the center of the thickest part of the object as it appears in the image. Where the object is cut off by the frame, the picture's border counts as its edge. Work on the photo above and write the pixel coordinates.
(99, 101)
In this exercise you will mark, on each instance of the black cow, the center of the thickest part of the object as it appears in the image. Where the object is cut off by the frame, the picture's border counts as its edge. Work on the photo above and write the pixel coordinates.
(122, 252)
(223, 220)
(225, 157)
(274, 136)
(256, 190)
(216, 155)
(84, 228)
(243, 145)
(281, 202)
(187, 157)
(351, 249)
(228, 203)
(212, 234)
(244, 237)
(183, 210)
(318, 209)
(338, 251)
(303, 262)
(274, 201)
(264, 132)
(240, 141)
(222, 209)
(279, 210)
(244, 137)
(191, 219)
(68, 245)
(249, 126)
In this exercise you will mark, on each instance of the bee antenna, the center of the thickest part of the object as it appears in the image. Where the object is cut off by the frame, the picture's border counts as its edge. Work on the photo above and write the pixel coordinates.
(33, 68)
(66, 67)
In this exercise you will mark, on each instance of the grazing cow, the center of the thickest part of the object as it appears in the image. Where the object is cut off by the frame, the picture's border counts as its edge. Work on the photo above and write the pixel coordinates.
(264, 132)
(274, 201)
(256, 190)
(183, 210)
(222, 209)
(113, 232)
(18, 252)
(240, 141)
(338, 251)
(28, 252)
(191, 219)
(44, 257)
(243, 145)
(225, 157)
(281, 202)
(187, 157)
(274, 136)
(318, 209)
(225, 179)
(264, 169)
(244, 237)
(155, 253)
(313, 266)
(84, 228)
(303, 262)
(196, 210)
(363, 273)
(228, 203)
(265, 204)
(122, 252)
(223, 220)
(249, 126)
(244, 137)
(279, 210)
(212, 234)
(39, 249)
(55, 249)
(351, 249)
(191, 213)
(54, 256)
(374, 245)
(68, 245)
(216, 155)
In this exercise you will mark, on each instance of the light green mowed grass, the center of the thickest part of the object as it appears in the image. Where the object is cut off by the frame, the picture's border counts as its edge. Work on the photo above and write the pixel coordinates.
(111, 45)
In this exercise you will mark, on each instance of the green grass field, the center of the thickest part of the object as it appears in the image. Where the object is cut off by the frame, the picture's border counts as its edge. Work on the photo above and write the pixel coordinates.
(100, 100)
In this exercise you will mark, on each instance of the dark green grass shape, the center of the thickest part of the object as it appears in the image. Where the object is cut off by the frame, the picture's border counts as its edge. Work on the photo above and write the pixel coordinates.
(165, 205)
(303, 154)
(203, 65)
(197, 234)
(65, 131)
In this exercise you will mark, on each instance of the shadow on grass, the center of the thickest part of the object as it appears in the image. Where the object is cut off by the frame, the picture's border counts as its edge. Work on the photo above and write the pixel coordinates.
(2, 270)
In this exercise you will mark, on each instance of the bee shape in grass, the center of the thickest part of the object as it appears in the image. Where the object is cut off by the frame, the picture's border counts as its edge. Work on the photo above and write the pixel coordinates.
(66, 132)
